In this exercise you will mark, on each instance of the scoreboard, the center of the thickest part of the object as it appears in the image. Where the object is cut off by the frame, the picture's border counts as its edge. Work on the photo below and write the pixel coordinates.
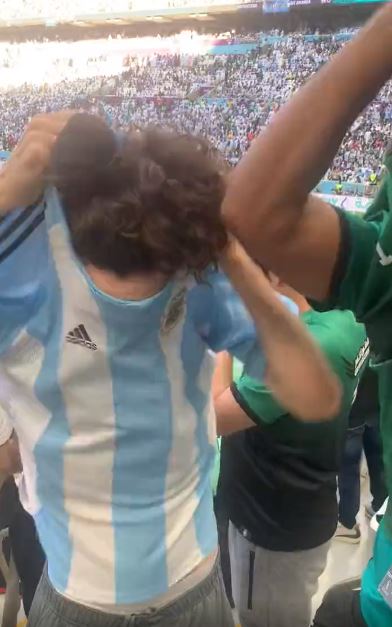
(355, 1)
(281, 6)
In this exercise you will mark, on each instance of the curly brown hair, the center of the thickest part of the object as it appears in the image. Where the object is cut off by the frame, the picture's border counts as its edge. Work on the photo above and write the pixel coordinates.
(145, 202)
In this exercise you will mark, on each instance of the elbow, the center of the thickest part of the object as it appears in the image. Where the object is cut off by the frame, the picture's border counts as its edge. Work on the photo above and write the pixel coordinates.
(264, 223)
(325, 404)
(312, 397)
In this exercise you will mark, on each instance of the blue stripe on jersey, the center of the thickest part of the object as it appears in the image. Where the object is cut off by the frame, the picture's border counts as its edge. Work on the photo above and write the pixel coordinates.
(142, 446)
(18, 227)
(21, 280)
(12, 221)
(53, 521)
(221, 317)
(193, 354)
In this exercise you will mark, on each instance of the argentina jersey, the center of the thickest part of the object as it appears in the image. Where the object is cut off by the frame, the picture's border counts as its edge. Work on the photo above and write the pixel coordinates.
(111, 402)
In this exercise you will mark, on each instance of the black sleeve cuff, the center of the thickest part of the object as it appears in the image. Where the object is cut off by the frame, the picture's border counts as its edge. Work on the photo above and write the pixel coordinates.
(243, 404)
(340, 269)
(343, 257)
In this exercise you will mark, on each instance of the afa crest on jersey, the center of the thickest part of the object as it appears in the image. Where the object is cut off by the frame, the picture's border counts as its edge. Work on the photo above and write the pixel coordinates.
(174, 311)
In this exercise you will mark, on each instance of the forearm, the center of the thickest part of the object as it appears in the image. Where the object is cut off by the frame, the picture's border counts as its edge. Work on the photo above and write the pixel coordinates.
(230, 418)
(297, 372)
(223, 376)
(232, 423)
(269, 187)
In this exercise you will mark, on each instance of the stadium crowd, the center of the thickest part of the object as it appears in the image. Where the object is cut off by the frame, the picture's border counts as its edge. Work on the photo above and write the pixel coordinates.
(24, 9)
(227, 98)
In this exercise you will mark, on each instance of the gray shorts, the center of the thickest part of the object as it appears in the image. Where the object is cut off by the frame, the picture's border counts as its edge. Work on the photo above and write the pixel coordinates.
(205, 605)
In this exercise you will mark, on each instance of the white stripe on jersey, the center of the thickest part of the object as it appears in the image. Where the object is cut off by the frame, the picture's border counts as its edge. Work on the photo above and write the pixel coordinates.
(89, 452)
(205, 379)
(181, 501)
(23, 363)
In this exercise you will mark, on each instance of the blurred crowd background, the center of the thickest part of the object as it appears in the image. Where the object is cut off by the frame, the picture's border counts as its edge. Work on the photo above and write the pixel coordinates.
(171, 81)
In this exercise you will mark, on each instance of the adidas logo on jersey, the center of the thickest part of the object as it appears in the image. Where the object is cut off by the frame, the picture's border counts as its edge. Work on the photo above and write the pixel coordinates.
(80, 336)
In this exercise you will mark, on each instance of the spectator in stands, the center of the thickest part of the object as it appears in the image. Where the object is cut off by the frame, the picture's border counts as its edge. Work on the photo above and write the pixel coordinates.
(110, 304)
(227, 99)
(363, 436)
(333, 256)
(278, 478)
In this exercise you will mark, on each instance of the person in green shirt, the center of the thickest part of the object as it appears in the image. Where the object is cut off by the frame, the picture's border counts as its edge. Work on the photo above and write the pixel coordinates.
(338, 188)
(278, 477)
(335, 258)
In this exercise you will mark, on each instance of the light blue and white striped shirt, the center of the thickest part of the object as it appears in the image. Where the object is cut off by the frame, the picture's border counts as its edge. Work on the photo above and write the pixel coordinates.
(111, 402)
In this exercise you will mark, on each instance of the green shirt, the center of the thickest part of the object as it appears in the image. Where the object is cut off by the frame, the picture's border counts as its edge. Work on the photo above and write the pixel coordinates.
(238, 368)
(279, 480)
(363, 283)
(344, 343)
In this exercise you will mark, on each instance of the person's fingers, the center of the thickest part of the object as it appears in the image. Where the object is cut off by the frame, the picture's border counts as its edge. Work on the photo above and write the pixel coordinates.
(32, 157)
(23, 174)
(43, 130)
(52, 119)
(31, 139)
(51, 123)
(36, 159)
(233, 247)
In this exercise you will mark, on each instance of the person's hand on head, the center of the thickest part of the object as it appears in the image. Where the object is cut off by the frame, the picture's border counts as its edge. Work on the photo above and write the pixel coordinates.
(23, 176)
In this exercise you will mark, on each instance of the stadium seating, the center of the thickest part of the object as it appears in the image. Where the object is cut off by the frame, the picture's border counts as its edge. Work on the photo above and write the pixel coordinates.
(177, 81)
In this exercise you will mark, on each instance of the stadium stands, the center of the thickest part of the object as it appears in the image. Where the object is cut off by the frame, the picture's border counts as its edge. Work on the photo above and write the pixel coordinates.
(172, 81)
(25, 9)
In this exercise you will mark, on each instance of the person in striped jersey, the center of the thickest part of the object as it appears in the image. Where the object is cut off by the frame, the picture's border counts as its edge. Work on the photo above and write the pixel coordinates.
(110, 303)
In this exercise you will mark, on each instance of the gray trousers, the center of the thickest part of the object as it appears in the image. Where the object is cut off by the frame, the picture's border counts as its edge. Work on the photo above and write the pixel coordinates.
(273, 588)
(206, 605)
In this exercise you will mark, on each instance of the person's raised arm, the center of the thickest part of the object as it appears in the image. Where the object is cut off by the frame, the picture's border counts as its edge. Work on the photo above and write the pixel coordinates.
(267, 205)
(22, 178)
(23, 235)
(296, 371)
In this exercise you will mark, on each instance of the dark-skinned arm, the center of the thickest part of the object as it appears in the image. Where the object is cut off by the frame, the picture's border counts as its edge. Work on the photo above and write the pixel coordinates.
(268, 203)
(296, 371)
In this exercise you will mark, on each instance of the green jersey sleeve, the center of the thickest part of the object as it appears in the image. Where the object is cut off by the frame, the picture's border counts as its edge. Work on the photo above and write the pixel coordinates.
(363, 275)
(256, 400)
(343, 342)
